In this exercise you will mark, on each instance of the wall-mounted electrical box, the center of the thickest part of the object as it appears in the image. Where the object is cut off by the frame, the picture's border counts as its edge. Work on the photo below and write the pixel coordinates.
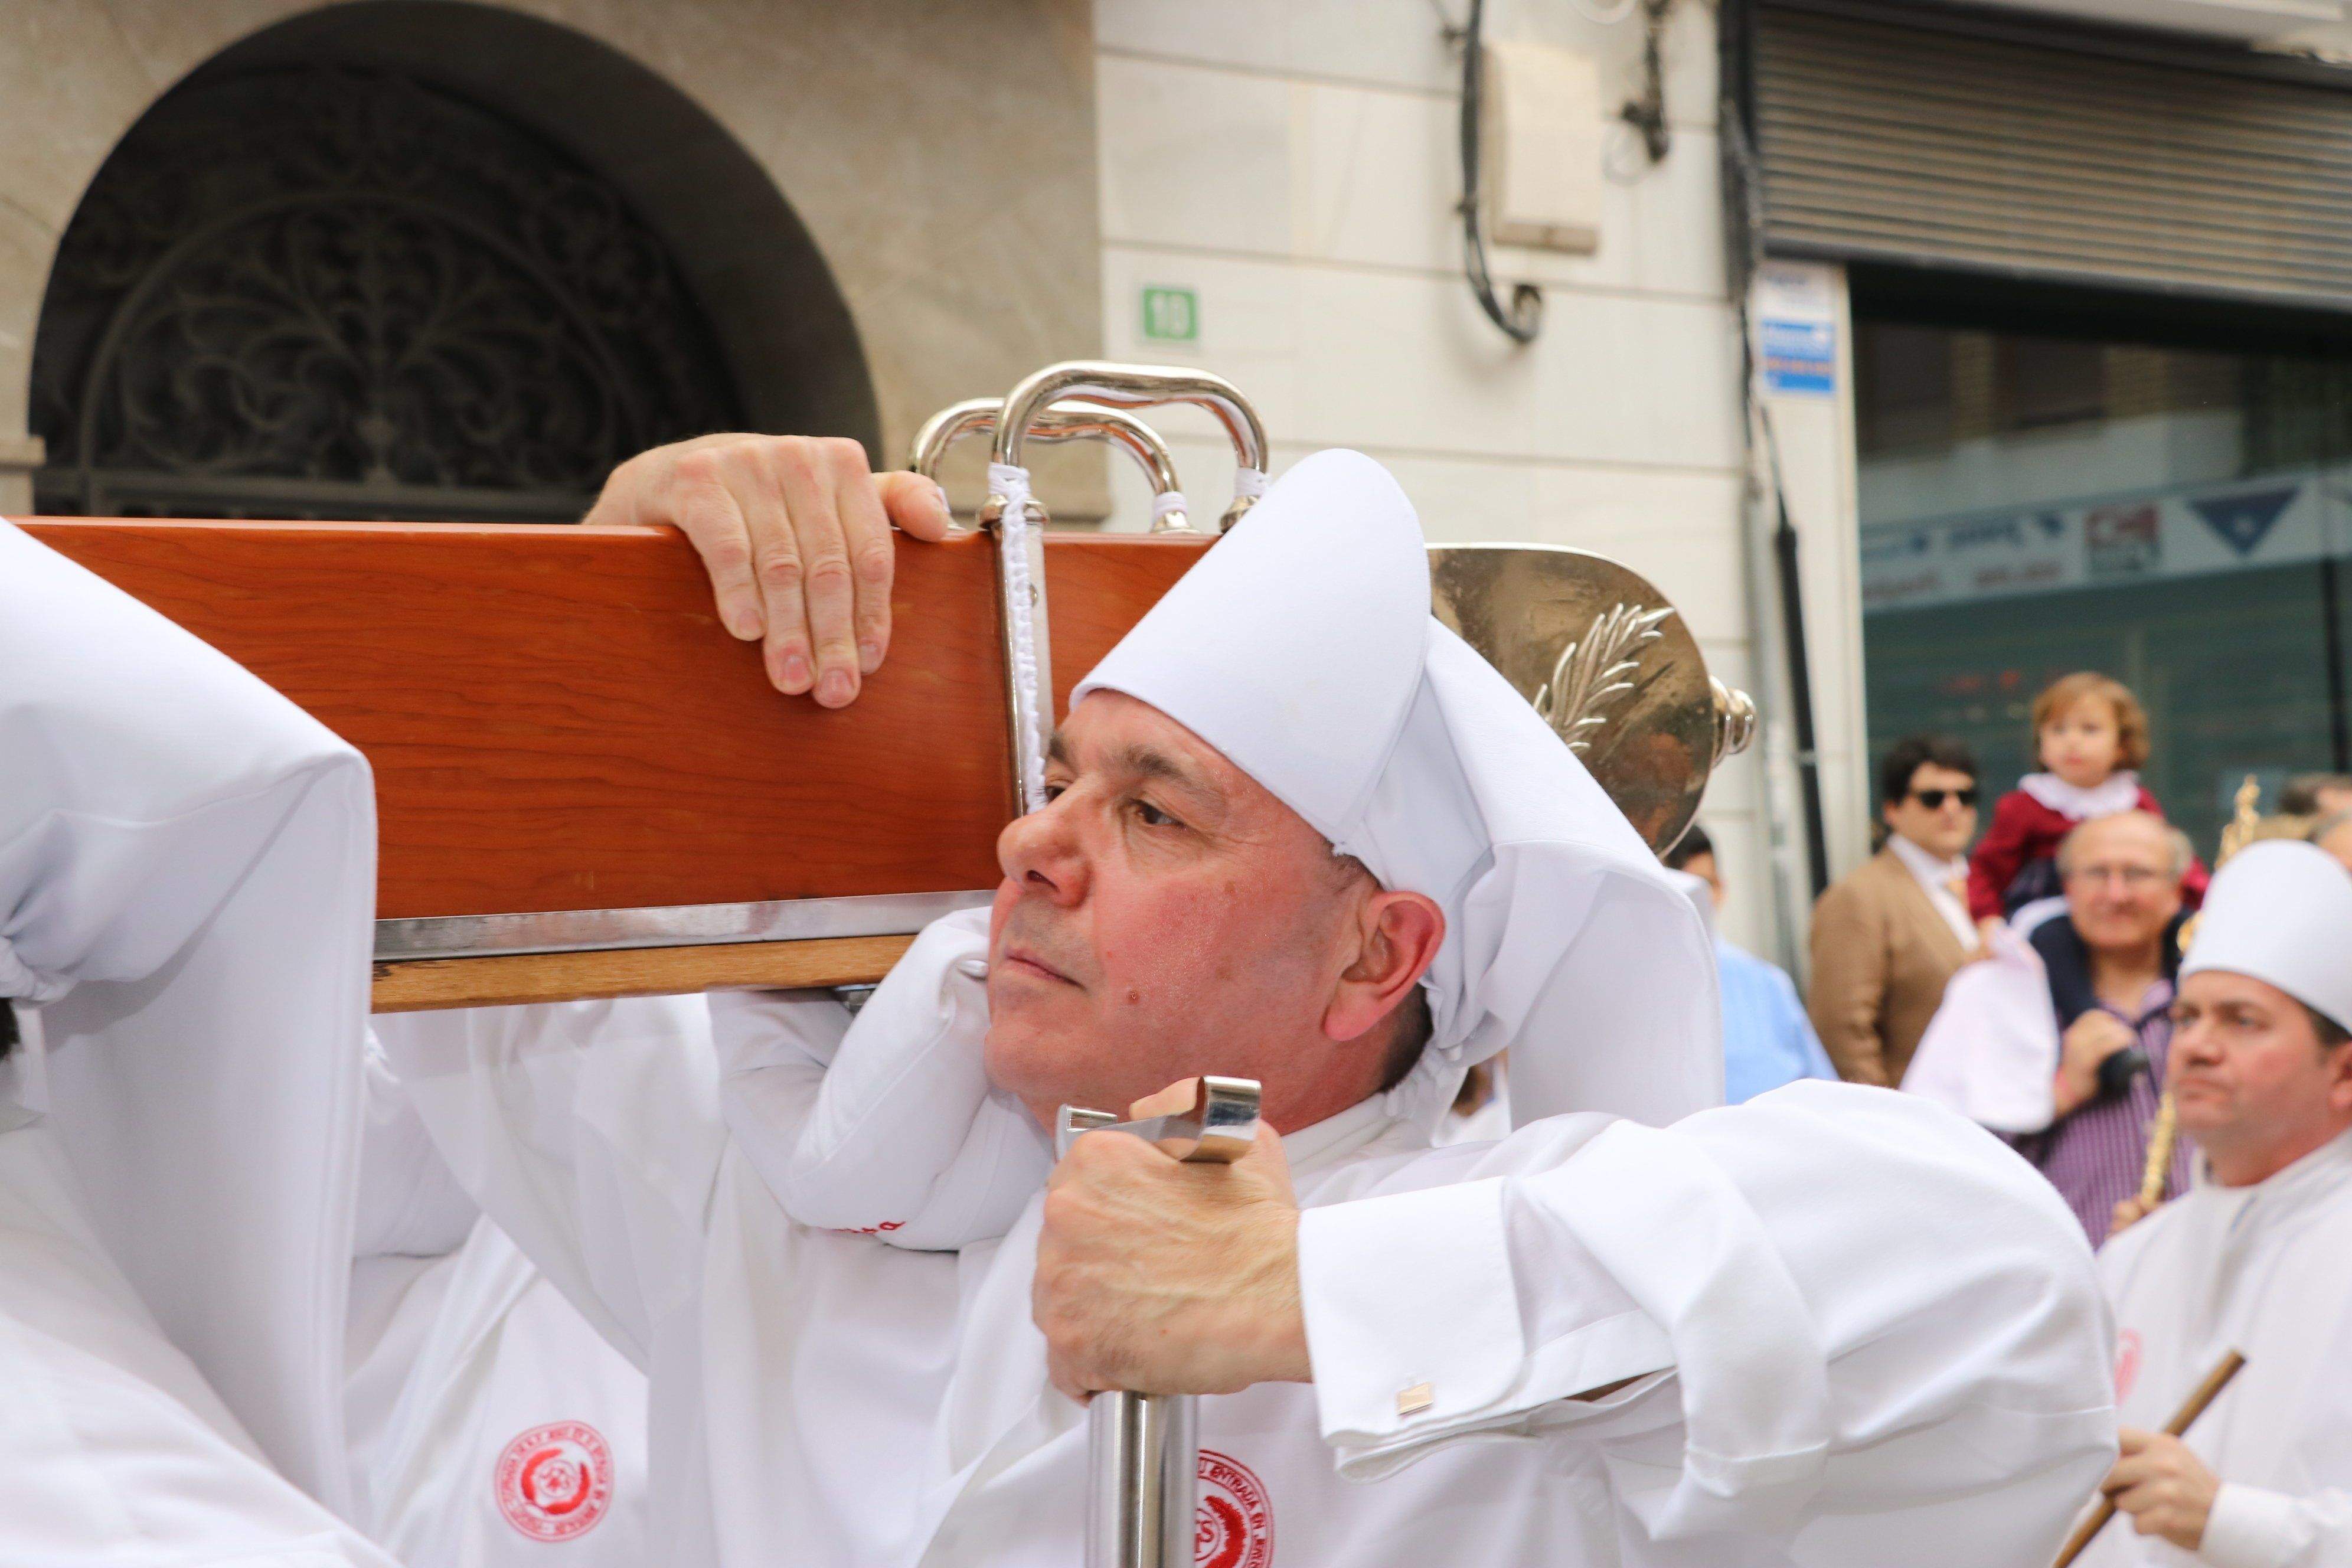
(1540, 145)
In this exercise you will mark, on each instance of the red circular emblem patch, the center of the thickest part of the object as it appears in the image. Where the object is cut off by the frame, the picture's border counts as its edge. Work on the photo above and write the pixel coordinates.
(554, 1483)
(2126, 1363)
(1234, 1526)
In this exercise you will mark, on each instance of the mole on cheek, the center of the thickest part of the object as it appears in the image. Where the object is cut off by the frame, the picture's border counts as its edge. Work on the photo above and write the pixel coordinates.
(1133, 996)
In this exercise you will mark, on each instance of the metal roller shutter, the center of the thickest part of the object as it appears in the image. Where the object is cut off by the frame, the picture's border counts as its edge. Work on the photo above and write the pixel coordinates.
(1959, 145)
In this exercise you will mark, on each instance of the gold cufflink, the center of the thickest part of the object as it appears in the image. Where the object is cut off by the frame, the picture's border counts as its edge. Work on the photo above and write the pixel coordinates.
(1414, 1400)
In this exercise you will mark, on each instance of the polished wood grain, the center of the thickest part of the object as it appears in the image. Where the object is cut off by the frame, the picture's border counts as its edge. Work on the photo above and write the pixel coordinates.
(557, 722)
(424, 984)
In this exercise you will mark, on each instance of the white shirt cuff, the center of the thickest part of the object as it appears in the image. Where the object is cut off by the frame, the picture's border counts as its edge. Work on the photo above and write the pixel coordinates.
(2251, 1528)
(1414, 1331)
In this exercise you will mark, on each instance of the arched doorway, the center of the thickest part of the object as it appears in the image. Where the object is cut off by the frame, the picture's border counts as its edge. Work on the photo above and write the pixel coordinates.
(422, 260)
(326, 293)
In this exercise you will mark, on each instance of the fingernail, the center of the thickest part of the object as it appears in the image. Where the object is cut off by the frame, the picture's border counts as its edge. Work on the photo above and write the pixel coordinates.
(835, 690)
(794, 673)
(945, 509)
(744, 620)
(869, 657)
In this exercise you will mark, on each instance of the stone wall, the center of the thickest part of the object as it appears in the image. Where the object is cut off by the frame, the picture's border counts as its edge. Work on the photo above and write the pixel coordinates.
(1295, 166)
(941, 159)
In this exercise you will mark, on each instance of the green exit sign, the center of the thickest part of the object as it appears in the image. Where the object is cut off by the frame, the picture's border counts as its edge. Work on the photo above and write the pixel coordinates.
(1171, 315)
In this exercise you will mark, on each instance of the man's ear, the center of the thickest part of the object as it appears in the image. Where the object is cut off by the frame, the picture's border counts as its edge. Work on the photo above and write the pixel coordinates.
(2339, 1078)
(1398, 938)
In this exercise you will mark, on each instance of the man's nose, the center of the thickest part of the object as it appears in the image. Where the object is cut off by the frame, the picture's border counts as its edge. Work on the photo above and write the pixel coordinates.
(1040, 853)
(2197, 1041)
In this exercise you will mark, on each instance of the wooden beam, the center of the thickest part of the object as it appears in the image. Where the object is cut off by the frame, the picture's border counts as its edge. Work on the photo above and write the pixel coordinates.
(423, 985)
(556, 721)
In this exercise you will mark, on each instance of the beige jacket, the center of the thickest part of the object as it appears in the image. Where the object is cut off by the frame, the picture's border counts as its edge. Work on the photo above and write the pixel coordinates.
(1881, 955)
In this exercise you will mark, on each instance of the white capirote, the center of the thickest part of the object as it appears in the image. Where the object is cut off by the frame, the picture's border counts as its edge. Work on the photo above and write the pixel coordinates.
(170, 832)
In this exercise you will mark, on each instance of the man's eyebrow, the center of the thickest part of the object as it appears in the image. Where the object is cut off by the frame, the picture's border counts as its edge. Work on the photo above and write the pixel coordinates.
(1150, 763)
(1140, 761)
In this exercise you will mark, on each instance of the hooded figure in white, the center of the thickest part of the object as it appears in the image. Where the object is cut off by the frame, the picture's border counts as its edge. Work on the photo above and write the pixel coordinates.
(187, 876)
(169, 829)
(1842, 1327)
(2263, 1268)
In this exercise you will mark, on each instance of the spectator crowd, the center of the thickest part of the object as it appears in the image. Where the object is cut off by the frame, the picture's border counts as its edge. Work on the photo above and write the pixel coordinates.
(2183, 1081)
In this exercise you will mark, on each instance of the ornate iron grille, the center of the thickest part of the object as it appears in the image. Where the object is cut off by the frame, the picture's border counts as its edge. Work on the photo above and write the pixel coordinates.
(331, 293)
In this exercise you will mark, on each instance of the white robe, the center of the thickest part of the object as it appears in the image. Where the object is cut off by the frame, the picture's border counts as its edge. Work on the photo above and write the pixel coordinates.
(2265, 1270)
(491, 1425)
(1859, 1329)
(113, 1450)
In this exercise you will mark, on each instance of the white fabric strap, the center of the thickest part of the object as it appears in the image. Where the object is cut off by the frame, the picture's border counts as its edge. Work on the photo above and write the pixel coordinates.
(1172, 500)
(1248, 483)
(23, 982)
(1009, 484)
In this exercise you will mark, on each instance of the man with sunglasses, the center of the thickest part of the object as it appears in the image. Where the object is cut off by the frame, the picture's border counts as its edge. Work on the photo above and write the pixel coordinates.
(1887, 937)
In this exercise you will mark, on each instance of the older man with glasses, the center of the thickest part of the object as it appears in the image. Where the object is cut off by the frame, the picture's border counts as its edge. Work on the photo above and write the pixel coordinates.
(2059, 1042)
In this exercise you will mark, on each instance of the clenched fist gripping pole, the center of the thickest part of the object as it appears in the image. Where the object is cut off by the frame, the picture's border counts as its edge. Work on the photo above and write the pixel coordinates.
(1143, 1453)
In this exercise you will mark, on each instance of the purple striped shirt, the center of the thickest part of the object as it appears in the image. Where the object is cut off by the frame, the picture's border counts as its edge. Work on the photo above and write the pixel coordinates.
(2096, 1155)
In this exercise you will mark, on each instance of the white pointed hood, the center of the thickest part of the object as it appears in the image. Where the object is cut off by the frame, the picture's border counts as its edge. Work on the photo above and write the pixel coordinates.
(2281, 912)
(187, 878)
(1302, 647)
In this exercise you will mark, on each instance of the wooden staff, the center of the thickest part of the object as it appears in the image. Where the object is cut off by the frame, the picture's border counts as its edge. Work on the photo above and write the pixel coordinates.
(2160, 1135)
(2207, 1392)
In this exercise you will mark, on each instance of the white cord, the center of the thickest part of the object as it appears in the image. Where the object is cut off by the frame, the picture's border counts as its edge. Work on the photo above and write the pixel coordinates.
(1249, 483)
(1011, 485)
(1162, 505)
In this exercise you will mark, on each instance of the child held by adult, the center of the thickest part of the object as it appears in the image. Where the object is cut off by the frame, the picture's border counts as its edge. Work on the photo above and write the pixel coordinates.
(2090, 736)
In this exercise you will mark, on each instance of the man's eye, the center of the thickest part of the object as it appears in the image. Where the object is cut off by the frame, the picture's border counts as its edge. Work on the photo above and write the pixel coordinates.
(1054, 791)
(1153, 817)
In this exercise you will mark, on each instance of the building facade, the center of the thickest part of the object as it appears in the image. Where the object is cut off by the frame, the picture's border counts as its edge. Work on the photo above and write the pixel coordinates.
(1806, 368)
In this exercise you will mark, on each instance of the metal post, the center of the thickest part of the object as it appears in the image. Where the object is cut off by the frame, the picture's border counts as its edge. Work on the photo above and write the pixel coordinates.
(1143, 1450)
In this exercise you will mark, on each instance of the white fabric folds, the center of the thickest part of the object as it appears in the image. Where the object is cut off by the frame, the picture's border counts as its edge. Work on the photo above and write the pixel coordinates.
(187, 870)
(1302, 647)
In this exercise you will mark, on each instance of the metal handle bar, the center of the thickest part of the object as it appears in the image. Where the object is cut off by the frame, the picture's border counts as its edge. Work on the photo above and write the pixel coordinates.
(1056, 423)
(1139, 386)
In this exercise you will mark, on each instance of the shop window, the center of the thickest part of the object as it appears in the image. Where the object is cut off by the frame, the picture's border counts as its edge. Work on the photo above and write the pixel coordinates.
(1903, 378)
(2047, 381)
(2174, 513)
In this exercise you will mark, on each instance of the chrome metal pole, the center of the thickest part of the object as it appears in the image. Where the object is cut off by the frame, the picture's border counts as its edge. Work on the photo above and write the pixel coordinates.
(1143, 1450)
(1142, 1455)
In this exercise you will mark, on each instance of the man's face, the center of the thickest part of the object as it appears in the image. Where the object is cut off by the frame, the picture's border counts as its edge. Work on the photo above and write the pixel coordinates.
(2248, 1075)
(1933, 812)
(2121, 888)
(1163, 916)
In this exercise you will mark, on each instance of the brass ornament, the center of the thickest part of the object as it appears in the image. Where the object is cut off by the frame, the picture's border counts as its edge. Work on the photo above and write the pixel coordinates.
(1609, 663)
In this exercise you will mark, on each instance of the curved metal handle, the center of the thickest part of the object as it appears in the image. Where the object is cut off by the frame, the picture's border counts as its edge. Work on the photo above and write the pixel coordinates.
(1137, 387)
(1056, 423)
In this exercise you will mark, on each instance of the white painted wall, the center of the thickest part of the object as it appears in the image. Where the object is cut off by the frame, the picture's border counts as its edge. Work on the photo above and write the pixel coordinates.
(1294, 161)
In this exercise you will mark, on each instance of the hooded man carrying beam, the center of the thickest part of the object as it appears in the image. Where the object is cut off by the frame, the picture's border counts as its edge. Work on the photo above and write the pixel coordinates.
(1300, 832)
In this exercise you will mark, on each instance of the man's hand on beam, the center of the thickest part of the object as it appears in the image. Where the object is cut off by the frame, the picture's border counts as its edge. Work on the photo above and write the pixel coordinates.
(795, 532)
(1159, 1277)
